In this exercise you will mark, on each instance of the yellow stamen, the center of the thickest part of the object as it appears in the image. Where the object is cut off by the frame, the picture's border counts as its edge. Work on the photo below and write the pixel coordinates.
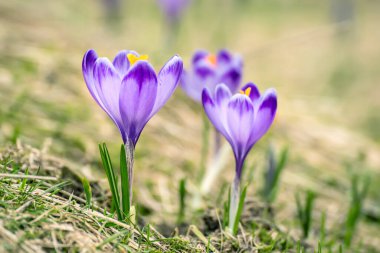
(246, 92)
(211, 58)
(133, 58)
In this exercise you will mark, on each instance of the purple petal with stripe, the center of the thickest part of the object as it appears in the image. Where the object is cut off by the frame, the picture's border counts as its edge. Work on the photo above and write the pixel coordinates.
(190, 86)
(168, 78)
(88, 64)
(254, 94)
(240, 118)
(232, 78)
(137, 97)
(215, 109)
(224, 57)
(107, 85)
(199, 55)
(203, 70)
(121, 63)
(264, 116)
(222, 95)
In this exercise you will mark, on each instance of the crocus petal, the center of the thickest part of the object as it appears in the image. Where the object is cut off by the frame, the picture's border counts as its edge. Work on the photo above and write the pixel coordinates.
(265, 114)
(168, 78)
(203, 70)
(199, 55)
(88, 64)
(254, 94)
(107, 84)
(222, 94)
(191, 87)
(214, 111)
(224, 57)
(137, 97)
(121, 63)
(240, 118)
(231, 78)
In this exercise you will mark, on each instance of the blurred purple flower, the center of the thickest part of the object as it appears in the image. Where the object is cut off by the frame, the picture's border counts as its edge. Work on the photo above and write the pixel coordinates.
(242, 119)
(128, 89)
(208, 70)
(173, 9)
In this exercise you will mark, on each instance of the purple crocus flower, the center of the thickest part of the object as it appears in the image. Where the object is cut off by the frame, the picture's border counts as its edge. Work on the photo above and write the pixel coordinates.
(129, 91)
(173, 9)
(209, 70)
(242, 119)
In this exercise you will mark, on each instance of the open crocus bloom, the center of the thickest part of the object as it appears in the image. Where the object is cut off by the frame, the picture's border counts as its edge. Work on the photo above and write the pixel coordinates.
(128, 89)
(242, 118)
(209, 70)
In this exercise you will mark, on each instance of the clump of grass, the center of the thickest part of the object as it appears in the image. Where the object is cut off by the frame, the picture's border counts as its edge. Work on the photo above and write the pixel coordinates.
(305, 212)
(37, 215)
(120, 201)
(273, 173)
(358, 195)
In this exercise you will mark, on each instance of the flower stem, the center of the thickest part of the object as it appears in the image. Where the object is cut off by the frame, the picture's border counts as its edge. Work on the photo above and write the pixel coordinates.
(130, 153)
(218, 143)
(205, 146)
(234, 202)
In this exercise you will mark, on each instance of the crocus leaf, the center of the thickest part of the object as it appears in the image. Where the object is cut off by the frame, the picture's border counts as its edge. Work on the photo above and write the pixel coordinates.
(240, 209)
(107, 165)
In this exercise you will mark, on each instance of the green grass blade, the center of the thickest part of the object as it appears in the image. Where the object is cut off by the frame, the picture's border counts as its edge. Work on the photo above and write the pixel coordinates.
(182, 197)
(107, 165)
(310, 196)
(305, 212)
(357, 199)
(299, 209)
(226, 214)
(322, 233)
(87, 191)
(319, 247)
(279, 169)
(273, 173)
(240, 210)
(23, 184)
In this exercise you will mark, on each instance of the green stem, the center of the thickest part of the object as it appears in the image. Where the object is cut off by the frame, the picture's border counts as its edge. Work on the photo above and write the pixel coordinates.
(218, 142)
(124, 181)
(130, 154)
(205, 145)
(234, 202)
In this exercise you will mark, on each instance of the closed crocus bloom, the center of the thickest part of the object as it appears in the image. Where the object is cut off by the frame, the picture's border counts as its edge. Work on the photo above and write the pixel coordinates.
(208, 70)
(173, 9)
(242, 119)
(128, 88)
(130, 92)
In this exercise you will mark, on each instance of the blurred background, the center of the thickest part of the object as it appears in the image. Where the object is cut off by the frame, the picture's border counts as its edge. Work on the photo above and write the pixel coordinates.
(323, 57)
